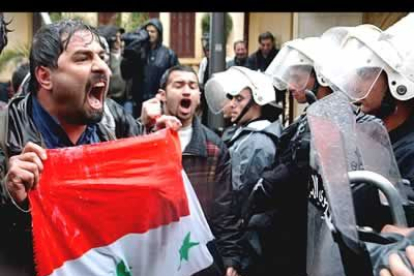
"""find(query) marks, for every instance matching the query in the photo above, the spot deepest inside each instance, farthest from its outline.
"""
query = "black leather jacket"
(16, 253)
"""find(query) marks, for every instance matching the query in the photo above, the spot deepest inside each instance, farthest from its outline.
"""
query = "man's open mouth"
(185, 105)
(96, 95)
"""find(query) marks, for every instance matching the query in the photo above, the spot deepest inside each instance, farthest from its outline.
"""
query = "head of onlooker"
(240, 51)
(205, 42)
(266, 43)
(155, 31)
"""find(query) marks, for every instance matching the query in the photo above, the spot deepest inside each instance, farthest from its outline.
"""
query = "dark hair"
(239, 42)
(18, 75)
(182, 68)
(266, 35)
(50, 41)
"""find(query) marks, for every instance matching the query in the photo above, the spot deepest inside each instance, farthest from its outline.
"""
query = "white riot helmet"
(331, 42)
(396, 47)
(232, 81)
(293, 65)
(366, 53)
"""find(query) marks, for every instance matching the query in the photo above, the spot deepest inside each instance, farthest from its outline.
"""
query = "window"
(182, 30)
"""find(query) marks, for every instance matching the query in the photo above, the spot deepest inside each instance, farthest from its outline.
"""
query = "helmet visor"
(355, 70)
(222, 86)
(216, 96)
(290, 69)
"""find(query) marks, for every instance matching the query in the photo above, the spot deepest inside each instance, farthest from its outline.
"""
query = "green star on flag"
(185, 248)
(121, 269)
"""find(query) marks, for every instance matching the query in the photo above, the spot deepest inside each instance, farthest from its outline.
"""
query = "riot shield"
(366, 142)
(378, 156)
(339, 146)
(337, 110)
(330, 210)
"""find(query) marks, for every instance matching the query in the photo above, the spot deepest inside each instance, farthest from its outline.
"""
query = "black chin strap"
(315, 87)
(388, 105)
(244, 111)
(311, 94)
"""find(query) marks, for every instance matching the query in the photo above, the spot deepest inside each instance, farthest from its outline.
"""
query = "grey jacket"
(252, 149)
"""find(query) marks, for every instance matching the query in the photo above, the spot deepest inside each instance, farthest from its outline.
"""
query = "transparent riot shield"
(366, 142)
(336, 109)
(378, 156)
(336, 218)
(342, 150)
(329, 159)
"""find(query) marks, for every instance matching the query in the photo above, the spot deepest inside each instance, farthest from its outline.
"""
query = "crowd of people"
(264, 191)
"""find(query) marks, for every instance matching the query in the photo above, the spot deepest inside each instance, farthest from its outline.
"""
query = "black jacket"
(402, 140)
(16, 253)
(236, 62)
(145, 66)
(257, 61)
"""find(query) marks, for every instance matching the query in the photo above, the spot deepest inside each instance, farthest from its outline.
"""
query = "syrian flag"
(118, 208)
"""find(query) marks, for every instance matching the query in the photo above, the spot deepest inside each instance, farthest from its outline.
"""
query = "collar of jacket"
(23, 130)
(263, 126)
(257, 125)
(197, 145)
(54, 136)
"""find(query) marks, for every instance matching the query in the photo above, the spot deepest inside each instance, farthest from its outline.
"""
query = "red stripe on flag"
(90, 196)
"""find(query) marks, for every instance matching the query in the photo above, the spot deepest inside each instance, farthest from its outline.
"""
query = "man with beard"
(64, 108)
(206, 161)
(240, 51)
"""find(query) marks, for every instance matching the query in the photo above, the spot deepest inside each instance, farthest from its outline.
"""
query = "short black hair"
(50, 41)
(239, 42)
(266, 35)
(18, 75)
(165, 77)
